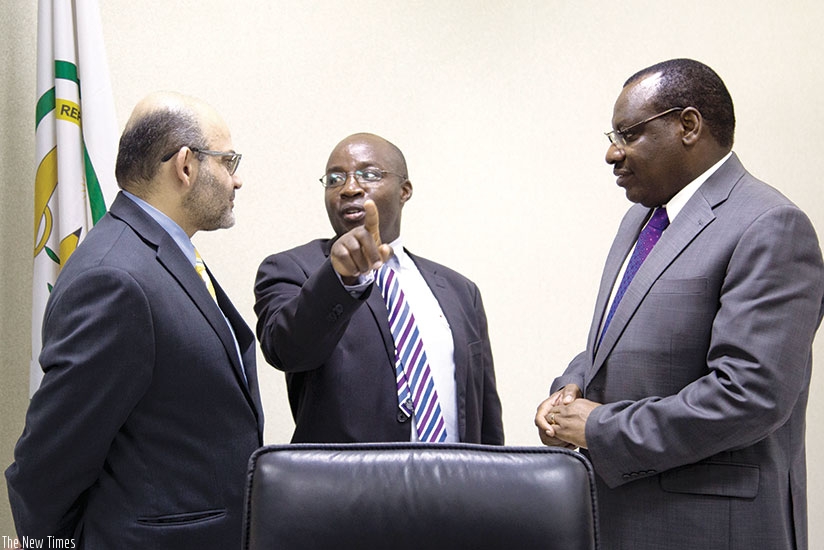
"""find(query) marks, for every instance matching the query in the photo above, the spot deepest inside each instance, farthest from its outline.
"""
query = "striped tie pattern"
(416, 387)
(200, 267)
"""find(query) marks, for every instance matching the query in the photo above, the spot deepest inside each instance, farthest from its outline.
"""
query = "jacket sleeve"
(574, 373)
(302, 312)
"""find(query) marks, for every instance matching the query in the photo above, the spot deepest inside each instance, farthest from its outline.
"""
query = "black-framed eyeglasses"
(368, 177)
(619, 137)
(232, 159)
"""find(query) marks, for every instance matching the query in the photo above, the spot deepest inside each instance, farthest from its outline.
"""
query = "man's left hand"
(569, 421)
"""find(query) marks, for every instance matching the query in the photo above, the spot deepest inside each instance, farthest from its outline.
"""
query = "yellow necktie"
(200, 267)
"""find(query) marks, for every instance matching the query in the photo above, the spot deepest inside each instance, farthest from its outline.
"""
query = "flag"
(75, 144)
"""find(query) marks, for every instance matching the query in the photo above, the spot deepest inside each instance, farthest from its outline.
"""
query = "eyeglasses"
(368, 177)
(619, 137)
(232, 159)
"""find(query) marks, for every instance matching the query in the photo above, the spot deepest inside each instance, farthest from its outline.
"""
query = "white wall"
(500, 108)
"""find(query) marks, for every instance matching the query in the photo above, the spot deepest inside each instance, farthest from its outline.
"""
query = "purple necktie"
(646, 240)
(416, 387)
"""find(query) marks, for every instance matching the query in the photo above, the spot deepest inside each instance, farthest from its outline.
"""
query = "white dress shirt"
(434, 329)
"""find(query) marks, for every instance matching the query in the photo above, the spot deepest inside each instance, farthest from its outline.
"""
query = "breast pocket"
(678, 304)
(697, 285)
(182, 519)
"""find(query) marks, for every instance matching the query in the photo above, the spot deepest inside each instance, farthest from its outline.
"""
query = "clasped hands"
(359, 250)
(562, 418)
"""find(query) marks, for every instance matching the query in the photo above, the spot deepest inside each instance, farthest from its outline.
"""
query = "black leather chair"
(419, 496)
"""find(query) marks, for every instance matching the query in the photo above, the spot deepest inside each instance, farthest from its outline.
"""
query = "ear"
(185, 167)
(406, 191)
(692, 125)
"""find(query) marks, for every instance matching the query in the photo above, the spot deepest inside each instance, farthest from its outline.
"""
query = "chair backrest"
(419, 496)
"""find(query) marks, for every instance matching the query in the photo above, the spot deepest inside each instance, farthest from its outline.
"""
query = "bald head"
(383, 150)
(690, 83)
(345, 202)
(160, 124)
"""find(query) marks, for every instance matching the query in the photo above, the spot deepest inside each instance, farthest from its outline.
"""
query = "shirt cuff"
(357, 290)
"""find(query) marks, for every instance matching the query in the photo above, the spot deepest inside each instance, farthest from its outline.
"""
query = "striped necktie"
(416, 387)
(200, 267)
(646, 240)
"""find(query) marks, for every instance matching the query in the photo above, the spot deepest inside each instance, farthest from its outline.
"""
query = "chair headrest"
(417, 496)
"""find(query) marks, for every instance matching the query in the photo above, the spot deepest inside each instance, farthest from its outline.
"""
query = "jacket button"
(402, 418)
(335, 314)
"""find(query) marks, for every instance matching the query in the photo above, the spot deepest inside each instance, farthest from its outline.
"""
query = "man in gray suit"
(690, 397)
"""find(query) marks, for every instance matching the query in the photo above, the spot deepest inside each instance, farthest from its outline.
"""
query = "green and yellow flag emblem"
(76, 144)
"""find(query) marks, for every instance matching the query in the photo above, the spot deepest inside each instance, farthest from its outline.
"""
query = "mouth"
(353, 213)
(621, 177)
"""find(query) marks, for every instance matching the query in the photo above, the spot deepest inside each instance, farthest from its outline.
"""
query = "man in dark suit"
(690, 398)
(149, 408)
(322, 320)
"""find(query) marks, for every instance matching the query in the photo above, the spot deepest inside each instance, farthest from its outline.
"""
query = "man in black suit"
(322, 321)
(149, 408)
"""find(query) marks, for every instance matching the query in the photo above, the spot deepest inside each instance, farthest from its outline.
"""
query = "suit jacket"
(704, 372)
(338, 354)
(141, 431)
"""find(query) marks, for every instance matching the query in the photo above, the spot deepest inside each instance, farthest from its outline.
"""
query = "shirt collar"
(677, 203)
(175, 231)
(399, 254)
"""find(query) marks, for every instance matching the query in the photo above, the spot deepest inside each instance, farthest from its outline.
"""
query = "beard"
(209, 203)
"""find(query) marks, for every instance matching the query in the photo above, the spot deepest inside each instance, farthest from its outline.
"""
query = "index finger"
(372, 223)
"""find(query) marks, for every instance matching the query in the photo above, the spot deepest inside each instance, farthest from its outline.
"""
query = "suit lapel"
(173, 259)
(696, 216)
(246, 343)
(622, 245)
(377, 307)
(176, 263)
(454, 313)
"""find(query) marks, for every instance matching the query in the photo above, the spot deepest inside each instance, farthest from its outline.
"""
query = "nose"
(237, 183)
(615, 154)
(351, 186)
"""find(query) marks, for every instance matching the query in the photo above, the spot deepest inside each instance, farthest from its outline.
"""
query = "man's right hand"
(546, 428)
(360, 250)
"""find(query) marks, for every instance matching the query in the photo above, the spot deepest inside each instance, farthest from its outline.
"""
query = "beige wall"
(500, 108)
